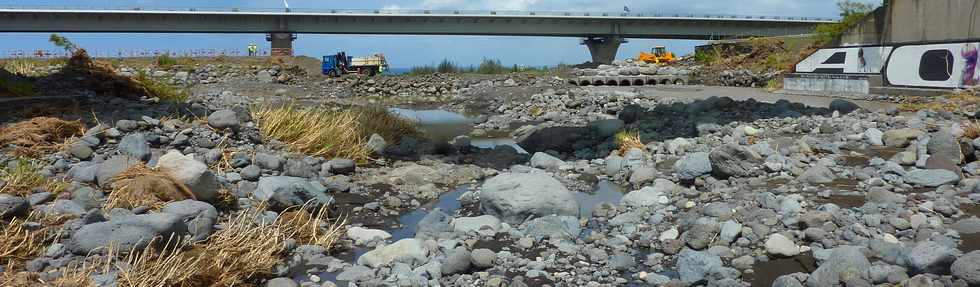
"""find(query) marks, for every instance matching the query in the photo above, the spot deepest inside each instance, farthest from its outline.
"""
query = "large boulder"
(109, 169)
(658, 194)
(199, 217)
(130, 233)
(224, 119)
(545, 161)
(136, 146)
(734, 160)
(930, 257)
(695, 266)
(692, 165)
(513, 197)
(817, 174)
(967, 267)
(901, 138)
(931, 177)
(843, 106)
(191, 172)
(11, 206)
(283, 191)
(944, 144)
(409, 251)
(844, 262)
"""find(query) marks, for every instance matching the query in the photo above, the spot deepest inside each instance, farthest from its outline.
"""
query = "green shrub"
(165, 61)
(162, 90)
(491, 66)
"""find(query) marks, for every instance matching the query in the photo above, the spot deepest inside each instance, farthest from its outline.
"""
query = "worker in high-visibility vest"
(253, 50)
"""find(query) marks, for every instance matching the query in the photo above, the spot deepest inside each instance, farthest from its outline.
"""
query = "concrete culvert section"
(638, 82)
(625, 83)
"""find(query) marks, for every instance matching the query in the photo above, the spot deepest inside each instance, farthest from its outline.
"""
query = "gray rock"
(643, 175)
(931, 177)
(296, 167)
(356, 273)
(943, 143)
(734, 160)
(692, 165)
(130, 232)
(126, 125)
(265, 76)
(362, 236)
(545, 161)
(843, 263)
(136, 146)
(512, 197)
(192, 173)
(695, 266)
(873, 137)
(901, 138)
(700, 236)
(281, 282)
(614, 164)
(729, 231)
(88, 198)
(408, 251)
(650, 195)
(483, 258)
(377, 144)
(930, 257)
(80, 151)
(224, 119)
(843, 106)
(566, 227)
(268, 161)
(466, 225)
(283, 192)
(780, 246)
(817, 174)
(456, 261)
(786, 281)
(199, 217)
(339, 166)
(61, 206)
(967, 267)
(967, 226)
(108, 170)
(883, 196)
(84, 172)
(11, 206)
(251, 172)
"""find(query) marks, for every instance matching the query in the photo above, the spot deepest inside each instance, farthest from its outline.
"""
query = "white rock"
(409, 251)
(191, 172)
(363, 236)
(777, 244)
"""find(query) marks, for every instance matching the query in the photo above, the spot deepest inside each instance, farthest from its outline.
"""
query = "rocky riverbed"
(718, 193)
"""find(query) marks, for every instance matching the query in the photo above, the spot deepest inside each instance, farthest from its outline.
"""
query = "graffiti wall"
(934, 65)
(951, 65)
(848, 60)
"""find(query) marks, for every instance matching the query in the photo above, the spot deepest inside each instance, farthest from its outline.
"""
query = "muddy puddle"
(604, 192)
(444, 125)
(767, 272)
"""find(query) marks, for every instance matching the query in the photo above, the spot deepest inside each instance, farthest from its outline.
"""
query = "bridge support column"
(282, 43)
(603, 49)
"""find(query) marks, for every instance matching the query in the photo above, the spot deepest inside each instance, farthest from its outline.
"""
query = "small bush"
(447, 67)
(25, 176)
(162, 90)
(627, 140)
(164, 61)
(490, 66)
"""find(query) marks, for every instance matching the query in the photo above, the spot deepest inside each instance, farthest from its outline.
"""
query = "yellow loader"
(658, 55)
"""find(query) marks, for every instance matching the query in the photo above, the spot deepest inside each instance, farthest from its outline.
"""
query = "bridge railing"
(21, 6)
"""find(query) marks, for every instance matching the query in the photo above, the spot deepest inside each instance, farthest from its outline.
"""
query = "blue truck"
(341, 64)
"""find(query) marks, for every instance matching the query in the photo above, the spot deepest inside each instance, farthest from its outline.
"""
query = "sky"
(407, 51)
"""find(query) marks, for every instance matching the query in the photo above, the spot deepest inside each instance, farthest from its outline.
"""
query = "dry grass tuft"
(971, 130)
(242, 250)
(21, 243)
(329, 133)
(25, 177)
(19, 67)
(964, 99)
(40, 135)
(141, 185)
(306, 225)
(628, 140)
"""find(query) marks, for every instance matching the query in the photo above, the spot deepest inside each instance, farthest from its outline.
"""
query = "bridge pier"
(603, 49)
(282, 43)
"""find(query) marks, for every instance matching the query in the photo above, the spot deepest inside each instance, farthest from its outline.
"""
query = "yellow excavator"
(658, 55)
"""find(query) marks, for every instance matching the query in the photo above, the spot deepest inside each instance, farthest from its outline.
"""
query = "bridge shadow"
(662, 123)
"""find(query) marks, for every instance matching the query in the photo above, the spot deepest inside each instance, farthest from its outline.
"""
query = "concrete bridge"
(602, 33)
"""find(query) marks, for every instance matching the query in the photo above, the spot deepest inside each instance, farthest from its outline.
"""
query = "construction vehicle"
(341, 64)
(658, 55)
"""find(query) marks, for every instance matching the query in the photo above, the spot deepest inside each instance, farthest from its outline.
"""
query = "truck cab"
(340, 64)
